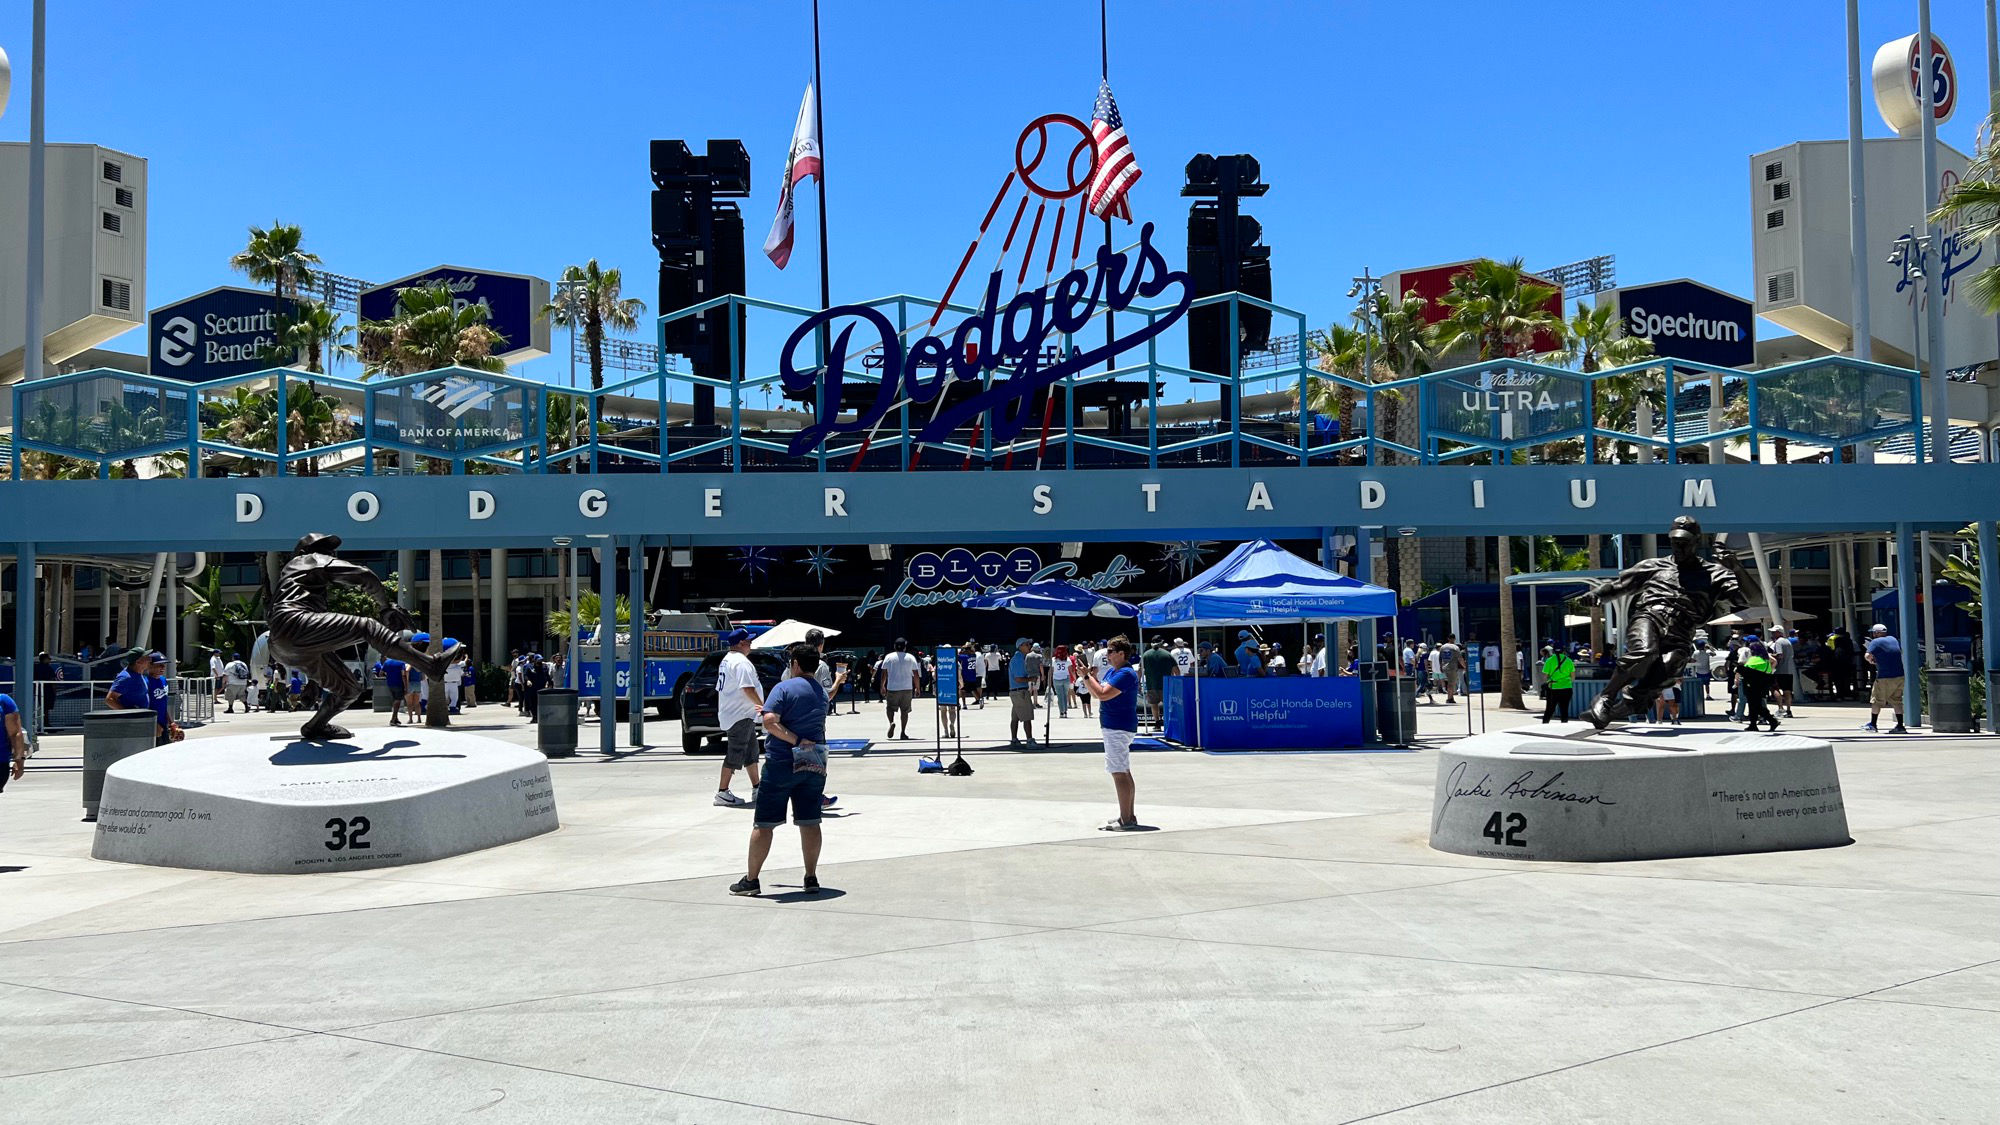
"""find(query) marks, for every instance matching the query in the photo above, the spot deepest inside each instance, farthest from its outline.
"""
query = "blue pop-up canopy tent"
(1262, 582)
(1052, 598)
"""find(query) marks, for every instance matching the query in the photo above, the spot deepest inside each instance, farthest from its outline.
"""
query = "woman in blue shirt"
(1118, 696)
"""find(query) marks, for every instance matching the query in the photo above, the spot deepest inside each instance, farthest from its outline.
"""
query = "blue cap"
(420, 638)
(1242, 634)
(160, 657)
(735, 637)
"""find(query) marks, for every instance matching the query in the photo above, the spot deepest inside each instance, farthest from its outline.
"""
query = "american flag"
(1117, 168)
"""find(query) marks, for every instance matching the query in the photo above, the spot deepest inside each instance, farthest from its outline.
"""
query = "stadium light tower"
(31, 352)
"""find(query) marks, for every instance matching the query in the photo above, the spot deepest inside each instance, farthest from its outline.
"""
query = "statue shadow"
(300, 752)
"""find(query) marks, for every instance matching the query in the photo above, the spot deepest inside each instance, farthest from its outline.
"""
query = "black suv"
(697, 696)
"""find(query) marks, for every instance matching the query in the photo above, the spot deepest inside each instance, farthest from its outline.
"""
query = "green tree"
(275, 256)
(427, 331)
(1592, 340)
(1974, 206)
(314, 334)
(228, 624)
(587, 300)
(1496, 309)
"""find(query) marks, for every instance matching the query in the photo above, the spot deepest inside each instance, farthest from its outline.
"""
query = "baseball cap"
(735, 636)
(1242, 634)
(1878, 627)
(135, 655)
(157, 657)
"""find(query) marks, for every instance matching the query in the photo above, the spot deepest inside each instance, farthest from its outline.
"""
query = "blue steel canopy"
(1261, 581)
(1052, 598)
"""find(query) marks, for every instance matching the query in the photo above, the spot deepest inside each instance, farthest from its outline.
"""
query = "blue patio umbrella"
(1052, 598)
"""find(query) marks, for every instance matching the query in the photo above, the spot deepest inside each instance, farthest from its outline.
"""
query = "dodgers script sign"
(992, 339)
(1008, 334)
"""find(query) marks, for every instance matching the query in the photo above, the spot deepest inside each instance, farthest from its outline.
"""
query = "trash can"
(1396, 703)
(1950, 691)
(109, 735)
(555, 722)
(380, 696)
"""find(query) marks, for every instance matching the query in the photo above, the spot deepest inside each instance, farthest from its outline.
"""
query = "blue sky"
(512, 136)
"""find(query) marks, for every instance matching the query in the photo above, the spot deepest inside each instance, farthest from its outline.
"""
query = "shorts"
(235, 693)
(900, 700)
(791, 780)
(1887, 693)
(742, 745)
(1118, 750)
(1153, 699)
(1024, 703)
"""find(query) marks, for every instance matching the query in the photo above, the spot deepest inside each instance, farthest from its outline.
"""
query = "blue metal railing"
(459, 420)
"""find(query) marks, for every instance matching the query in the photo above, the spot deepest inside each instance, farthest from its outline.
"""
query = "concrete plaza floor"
(1285, 947)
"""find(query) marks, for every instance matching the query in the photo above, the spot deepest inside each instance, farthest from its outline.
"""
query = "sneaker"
(1869, 727)
(812, 884)
(1899, 729)
(828, 802)
(1115, 825)
(729, 800)
(744, 886)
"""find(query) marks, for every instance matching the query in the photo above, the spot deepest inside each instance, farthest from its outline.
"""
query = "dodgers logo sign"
(1004, 346)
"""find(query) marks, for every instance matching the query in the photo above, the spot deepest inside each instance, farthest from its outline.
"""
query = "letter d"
(479, 505)
(249, 507)
(1373, 495)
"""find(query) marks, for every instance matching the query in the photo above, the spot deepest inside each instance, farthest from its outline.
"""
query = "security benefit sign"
(1688, 320)
(1505, 405)
(218, 334)
(513, 304)
(454, 412)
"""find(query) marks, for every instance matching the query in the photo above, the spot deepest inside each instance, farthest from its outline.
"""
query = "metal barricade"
(63, 703)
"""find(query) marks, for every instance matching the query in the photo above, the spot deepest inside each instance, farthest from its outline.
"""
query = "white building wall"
(94, 277)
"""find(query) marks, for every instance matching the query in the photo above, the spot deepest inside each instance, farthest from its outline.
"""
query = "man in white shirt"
(215, 672)
(899, 684)
(454, 679)
(1183, 656)
(739, 698)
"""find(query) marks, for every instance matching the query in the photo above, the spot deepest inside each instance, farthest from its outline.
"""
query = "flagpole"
(819, 127)
(1104, 74)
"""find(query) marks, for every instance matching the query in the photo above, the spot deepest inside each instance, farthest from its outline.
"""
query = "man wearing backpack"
(236, 684)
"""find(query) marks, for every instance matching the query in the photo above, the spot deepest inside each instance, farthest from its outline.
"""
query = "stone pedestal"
(281, 805)
(1565, 792)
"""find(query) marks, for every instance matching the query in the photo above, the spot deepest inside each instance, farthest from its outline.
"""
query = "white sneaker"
(729, 800)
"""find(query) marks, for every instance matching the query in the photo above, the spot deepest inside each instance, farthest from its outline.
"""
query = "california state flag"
(803, 161)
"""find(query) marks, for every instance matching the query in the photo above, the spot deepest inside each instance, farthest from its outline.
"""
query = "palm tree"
(587, 301)
(274, 257)
(1593, 340)
(1975, 207)
(1497, 309)
(427, 331)
(314, 334)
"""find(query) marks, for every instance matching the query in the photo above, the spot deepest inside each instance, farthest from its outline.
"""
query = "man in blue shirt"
(1117, 695)
(1248, 664)
(156, 682)
(1885, 655)
(396, 674)
(794, 720)
(16, 742)
(1212, 663)
(133, 691)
